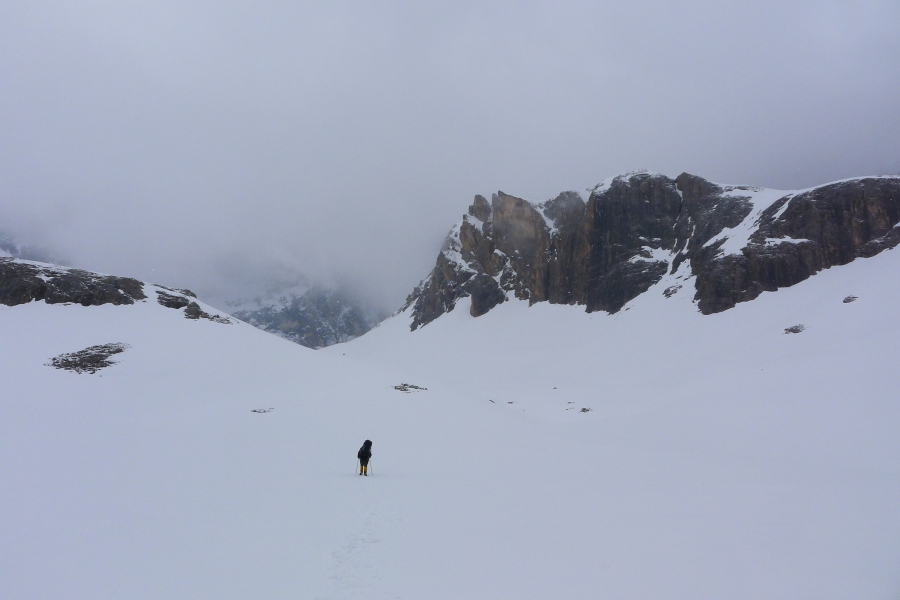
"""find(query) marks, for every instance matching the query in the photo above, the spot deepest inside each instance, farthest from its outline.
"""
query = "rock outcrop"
(22, 282)
(735, 241)
(178, 299)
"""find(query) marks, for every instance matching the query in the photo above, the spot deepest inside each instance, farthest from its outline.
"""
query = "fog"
(223, 145)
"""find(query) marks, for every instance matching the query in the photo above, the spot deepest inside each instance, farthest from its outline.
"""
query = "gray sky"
(214, 145)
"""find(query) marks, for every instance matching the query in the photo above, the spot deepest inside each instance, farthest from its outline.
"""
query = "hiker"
(364, 454)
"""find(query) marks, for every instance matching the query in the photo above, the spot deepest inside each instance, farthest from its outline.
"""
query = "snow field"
(764, 463)
(721, 457)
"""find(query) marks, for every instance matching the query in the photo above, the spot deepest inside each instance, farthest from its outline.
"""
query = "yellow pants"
(364, 470)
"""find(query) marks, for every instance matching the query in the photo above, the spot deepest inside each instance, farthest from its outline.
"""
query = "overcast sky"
(214, 145)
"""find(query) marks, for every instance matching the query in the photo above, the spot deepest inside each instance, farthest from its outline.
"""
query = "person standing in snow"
(364, 454)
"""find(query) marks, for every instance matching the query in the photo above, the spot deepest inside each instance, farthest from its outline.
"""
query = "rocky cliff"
(732, 242)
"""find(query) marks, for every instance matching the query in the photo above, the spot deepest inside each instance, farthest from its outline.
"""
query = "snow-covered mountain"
(155, 449)
(724, 244)
(307, 314)
(312, 316)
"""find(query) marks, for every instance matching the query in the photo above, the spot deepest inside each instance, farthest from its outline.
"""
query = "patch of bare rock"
(408, 387)
(90, 360)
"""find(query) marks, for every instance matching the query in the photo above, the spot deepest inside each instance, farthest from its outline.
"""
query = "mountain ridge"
(315, 317)
(737, 241)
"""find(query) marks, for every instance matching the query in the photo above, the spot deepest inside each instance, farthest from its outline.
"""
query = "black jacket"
(365, 453)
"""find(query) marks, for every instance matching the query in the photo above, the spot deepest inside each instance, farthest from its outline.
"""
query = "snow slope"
(721, 457)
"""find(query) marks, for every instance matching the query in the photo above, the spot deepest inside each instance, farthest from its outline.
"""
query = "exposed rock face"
(22, 282)
(171, 300)
(193, 311)
(315, 319)
(737, 241)
(179, 299)
(823, 227)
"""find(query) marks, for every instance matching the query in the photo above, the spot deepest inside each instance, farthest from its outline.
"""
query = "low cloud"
(226, 146)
